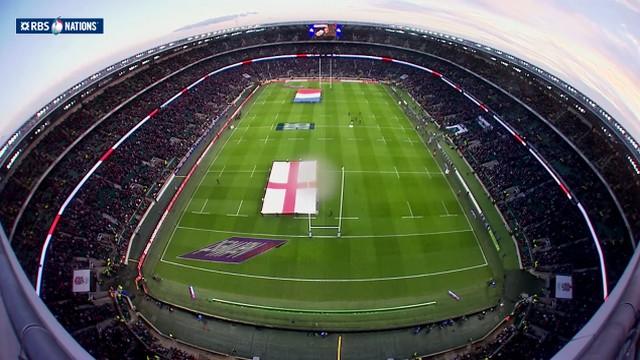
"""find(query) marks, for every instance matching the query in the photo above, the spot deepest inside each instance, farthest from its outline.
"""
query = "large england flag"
(291, 189)
(308, 95)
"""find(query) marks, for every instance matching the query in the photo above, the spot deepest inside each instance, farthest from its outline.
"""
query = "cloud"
(401, 5)
(591, 48)
(630, 5)
(216, 20)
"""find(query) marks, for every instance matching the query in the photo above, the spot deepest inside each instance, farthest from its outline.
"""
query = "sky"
(594, 45)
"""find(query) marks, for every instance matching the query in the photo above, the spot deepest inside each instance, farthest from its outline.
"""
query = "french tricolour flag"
(291, 189)
(308, 96)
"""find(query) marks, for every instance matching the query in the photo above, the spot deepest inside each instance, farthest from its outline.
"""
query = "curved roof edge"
(603, 335)
(38, 334)
(10, 150)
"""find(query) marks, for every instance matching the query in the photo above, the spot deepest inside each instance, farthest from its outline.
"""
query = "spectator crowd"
(98, 224)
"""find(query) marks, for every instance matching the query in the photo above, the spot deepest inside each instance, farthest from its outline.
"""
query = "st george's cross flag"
(292, 188)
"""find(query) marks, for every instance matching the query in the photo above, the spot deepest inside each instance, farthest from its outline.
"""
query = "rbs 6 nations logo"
(59, 26)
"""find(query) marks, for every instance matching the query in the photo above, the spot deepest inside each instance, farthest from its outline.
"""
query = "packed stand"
(100, 220)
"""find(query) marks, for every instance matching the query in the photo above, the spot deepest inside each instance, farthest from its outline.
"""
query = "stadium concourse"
(100, 226)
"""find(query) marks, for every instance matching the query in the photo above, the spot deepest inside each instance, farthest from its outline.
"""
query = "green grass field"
(405, 240)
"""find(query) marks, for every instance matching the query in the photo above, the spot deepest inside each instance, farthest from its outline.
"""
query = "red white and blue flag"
(291, 189)
(308, 96)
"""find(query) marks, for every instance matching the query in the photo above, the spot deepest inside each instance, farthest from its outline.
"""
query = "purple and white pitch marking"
(233, 250)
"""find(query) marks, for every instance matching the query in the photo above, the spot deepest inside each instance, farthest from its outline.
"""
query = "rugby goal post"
(338, 228)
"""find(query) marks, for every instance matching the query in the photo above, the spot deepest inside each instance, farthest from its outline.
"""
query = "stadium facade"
(578, 145)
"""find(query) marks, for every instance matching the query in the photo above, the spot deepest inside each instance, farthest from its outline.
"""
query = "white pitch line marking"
(411, 212)
(221, 171)
(201, 213)
(410, 306)
(383, 140)
(445, 207)
(347, 172)
(238, 142)
(239, 206)
(447, 211)
(184, 211)
(348, 218)
(359, 126)
(266, 139)
(265, 277)
(426, 171)
(325, 139)
(204, 205)
(344, 236)
(460, 205)
(295, 138)
(397, 174)
(239, 171)
(387, 172)
(253, 171)
(341, 202)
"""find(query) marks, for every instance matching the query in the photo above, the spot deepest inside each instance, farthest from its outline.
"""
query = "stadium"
(321, 190)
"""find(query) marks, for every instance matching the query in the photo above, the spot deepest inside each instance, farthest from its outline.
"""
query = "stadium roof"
(593, 48)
